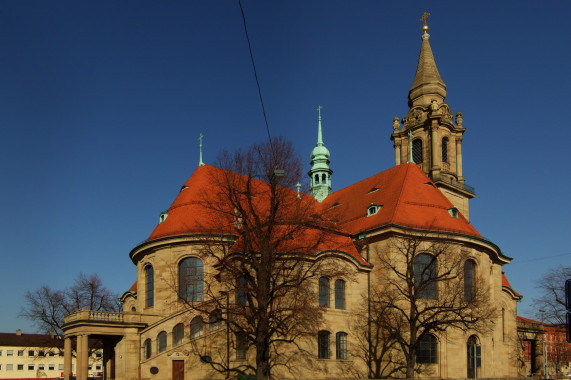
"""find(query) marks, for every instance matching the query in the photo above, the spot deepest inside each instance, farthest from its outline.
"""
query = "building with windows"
(29, 356)
(543, 343)
(408, 225)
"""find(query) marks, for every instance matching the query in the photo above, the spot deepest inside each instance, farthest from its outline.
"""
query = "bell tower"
(429, 137)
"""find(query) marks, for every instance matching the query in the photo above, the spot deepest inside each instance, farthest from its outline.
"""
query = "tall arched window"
(323, 341)
(150, 284)
(445, 149)
(161, 341)
(469, 280)
(425, 276)
(178, 334)
(339, 294)
(427, 350)
(341, 345)
(417, 151)
(324, 291)
(148, 348)
(196, 327)
(474, 355)
(190, 279)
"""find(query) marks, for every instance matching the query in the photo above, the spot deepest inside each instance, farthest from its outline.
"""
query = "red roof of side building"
(29, 340)
(133, 287)
(407, 198)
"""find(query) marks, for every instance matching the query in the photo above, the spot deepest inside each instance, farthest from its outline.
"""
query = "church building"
(402, 284)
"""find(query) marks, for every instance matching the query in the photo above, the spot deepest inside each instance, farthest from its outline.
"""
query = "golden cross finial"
(424, 17)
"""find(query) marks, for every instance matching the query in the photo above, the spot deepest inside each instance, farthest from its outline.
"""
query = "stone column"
(67, 358)
(82, 357)
(435, 156)
(459, 157)
(397, 152)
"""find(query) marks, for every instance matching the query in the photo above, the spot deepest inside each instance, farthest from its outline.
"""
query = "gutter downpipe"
(363, 237)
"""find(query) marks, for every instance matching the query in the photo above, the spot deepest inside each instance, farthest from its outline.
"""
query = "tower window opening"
(417, 151)
(445, 149)
(323, 178)
(316, 179)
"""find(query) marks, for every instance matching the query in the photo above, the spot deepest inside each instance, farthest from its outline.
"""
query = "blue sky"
(101, 105)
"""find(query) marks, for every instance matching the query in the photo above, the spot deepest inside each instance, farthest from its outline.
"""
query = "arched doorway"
(474, 356)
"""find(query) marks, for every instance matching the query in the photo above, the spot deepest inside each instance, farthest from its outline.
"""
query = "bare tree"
(47, 307)
(265, 239)
(552, 299)
(377, 346)
(423, 289)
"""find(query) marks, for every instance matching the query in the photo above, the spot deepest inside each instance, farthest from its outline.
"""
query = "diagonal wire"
(256, 75)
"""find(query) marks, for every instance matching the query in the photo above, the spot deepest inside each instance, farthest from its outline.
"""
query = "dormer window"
(373, 209)
(453, 212)
(335, 205)
(163, 217)
(373, 190)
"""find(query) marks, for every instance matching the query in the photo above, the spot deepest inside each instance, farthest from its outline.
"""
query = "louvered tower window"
(417, 151)
(445, 149)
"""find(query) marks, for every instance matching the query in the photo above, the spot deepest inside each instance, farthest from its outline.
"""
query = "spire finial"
(319, 134)
(423, 19)
(200, 163)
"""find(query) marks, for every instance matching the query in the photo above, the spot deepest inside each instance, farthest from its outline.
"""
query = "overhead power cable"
(256, 75)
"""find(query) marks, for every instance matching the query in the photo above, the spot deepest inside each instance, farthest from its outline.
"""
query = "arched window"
(341, 345)
(417, 151)
(469, 280)
(196, 327)
(190, 279)
(323, 178)
(425, 276)
(241, 291)
(161, 341)
(445, 149)
(150, 284)
(178, 334)
(427, 349)
(324, 291)
(148, 348)
(215, 320)
(339, 294)
(473, 354)
(316, 179)
(323, 340)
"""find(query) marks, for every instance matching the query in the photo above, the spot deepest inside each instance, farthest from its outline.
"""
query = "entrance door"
(178, 370)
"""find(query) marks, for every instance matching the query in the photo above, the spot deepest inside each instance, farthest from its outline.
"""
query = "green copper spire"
(200, 163)
(320, 173)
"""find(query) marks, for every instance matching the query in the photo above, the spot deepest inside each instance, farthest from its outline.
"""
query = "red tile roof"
(406, 195)
(506, 283)
(407, 198)
(29, 340)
